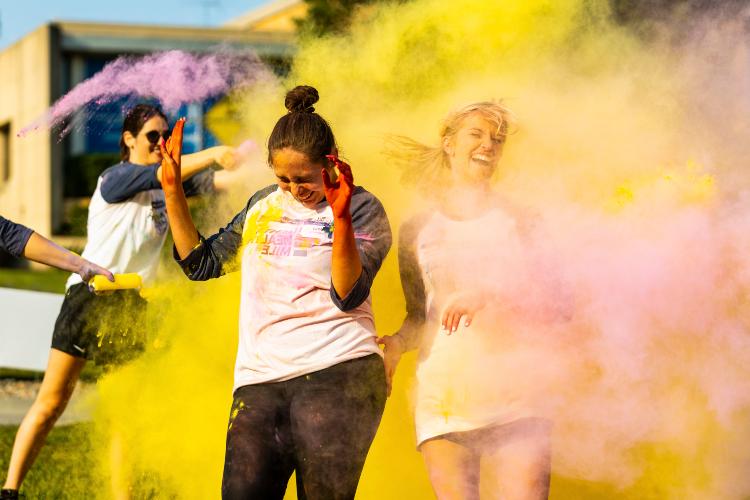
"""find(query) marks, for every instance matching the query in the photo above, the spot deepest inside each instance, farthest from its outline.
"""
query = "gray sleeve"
(125, 180)
(13, 237)
(217, 255)
(411, 280)
(372, 234)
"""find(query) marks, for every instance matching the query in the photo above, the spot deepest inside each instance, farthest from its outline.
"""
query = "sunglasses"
(153, 136)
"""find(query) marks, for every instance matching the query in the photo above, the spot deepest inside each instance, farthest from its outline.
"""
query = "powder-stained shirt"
(292, 322)
(493, 371)
(13, 237)
(127, 222)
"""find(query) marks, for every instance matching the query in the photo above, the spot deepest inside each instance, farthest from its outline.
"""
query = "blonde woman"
(461, 264)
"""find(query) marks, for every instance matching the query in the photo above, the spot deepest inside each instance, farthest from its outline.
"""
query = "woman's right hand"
(171, 152)
(393, 350)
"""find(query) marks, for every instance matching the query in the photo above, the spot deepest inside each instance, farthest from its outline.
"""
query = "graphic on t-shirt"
(276, 234)
(159, 216)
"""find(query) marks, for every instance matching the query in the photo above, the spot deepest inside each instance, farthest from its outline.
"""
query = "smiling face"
(296, 174)
(474, 150)
(144, 147)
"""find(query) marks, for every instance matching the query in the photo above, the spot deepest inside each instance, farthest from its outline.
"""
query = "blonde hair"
(429, 165)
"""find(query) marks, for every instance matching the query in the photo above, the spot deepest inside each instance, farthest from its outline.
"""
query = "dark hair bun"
(301, 99)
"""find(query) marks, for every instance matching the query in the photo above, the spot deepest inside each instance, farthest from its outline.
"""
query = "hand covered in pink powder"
(226, 157)
(464, 304)
(171, 152)
(339, 193)
(393, 350)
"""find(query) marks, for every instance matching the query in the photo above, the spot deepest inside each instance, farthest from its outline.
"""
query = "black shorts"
(107, 329)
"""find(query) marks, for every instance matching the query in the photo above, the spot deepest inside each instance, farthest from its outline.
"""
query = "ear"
(129, 139)
(448, 146)
(328, 164)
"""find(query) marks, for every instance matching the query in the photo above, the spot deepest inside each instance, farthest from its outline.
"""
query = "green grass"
(48, 280)
(65, 467)
(19, 374)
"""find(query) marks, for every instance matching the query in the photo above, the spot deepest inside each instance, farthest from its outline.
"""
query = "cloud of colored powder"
(172, 78)
(632, 151)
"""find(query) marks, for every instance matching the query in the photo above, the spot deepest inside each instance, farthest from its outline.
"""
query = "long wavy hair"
(429, 166)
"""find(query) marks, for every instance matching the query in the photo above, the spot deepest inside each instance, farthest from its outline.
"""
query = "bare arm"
(345, 262)
(346, 266)
(191, 164)
(40, 249)
(184, 233)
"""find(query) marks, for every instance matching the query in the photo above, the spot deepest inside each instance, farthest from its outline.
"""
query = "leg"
(258, 461)
(119, 474)
(57, 387)
(453, 469)
(519, 456)
(334, 416)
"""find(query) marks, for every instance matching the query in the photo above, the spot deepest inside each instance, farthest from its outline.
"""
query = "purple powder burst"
(172, 78)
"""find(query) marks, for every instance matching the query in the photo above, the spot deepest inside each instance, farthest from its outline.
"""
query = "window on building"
(4, 153)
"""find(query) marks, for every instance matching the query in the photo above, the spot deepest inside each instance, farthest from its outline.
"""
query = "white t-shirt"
(291, 321)
(490, 372)
(126, 237)
(127, 221)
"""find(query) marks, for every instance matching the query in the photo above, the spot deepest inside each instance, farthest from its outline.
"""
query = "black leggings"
(320, 425)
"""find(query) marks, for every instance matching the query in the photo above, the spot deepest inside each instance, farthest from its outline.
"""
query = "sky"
(18, 17)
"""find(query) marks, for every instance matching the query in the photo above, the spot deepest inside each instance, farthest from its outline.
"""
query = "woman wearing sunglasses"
(127, 226)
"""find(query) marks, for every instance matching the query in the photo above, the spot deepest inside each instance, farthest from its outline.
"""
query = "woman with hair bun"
(126, 231)
(309, 384)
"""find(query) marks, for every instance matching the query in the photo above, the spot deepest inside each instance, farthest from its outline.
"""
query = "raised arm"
(361, 239)
(184, 233)
(200, 258)
(191, 164)
(346, 266)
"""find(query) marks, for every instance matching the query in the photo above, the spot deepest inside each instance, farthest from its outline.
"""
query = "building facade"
(39, 173)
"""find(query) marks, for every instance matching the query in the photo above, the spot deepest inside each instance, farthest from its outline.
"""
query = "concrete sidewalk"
(26, 331)
(17, 396)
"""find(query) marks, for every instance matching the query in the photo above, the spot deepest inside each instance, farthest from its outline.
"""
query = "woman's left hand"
(339, 193)
(462, 305)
